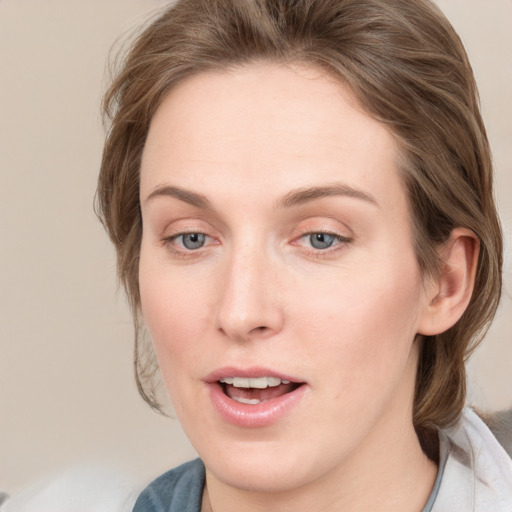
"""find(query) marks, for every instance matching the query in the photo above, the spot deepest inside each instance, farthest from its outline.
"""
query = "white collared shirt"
(475, 472)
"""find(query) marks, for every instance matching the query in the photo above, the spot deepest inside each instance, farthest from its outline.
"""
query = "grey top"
(178, 490)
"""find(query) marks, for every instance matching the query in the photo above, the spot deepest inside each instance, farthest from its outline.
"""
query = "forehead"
(267, 124)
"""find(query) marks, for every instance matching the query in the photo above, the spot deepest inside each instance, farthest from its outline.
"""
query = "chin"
(267, 467)
(261, 475)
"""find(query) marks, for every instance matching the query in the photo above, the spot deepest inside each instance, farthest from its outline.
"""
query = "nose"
(249, 306)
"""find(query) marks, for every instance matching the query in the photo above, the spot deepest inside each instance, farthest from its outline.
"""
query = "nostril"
(261, 330)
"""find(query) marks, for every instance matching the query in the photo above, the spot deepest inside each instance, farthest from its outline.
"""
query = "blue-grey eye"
(321, 240)
(192, 241)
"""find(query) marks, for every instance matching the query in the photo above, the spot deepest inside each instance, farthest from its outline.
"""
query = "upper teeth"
(254, 382)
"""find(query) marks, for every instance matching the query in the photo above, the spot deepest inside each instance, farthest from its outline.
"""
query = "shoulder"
(477, 474)
(178, 490)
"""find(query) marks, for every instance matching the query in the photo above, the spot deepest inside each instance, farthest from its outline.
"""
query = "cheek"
(362, 324)
(172, 313)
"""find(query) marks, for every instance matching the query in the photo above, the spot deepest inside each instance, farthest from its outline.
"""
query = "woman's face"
(277, 274)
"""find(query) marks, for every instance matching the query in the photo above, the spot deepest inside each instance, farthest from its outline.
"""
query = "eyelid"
(179, 223)
(324, 225)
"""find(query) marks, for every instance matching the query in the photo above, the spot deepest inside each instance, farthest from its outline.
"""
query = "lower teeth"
(248, 401)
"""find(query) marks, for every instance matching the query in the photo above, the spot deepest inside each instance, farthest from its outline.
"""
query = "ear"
(449, 293)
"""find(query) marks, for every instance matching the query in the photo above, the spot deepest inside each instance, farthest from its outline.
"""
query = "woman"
(300, 196)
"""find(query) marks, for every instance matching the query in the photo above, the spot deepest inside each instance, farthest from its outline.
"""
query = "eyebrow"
(187, 196)
(293, 198)
(305, 195)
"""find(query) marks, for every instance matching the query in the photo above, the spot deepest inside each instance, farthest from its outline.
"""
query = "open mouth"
(254, 397)
(256, 390)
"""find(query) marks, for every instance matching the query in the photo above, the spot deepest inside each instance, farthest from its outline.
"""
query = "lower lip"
(254, 416)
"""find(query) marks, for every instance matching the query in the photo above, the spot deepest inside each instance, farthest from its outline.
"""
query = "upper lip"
(250, 372)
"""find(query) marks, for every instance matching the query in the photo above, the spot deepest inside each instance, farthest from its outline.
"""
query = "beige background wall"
(66, 387)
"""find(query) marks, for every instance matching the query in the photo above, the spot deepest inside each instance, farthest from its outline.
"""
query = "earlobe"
(450, 292)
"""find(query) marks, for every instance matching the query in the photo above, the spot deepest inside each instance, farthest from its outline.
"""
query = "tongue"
(259, 394)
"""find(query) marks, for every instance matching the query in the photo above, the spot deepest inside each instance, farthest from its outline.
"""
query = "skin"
(343, 319)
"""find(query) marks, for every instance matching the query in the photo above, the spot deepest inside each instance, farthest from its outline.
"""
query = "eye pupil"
(321, 240)
(193, 241)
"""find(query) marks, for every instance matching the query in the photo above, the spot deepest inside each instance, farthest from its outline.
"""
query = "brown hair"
(407, 67)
